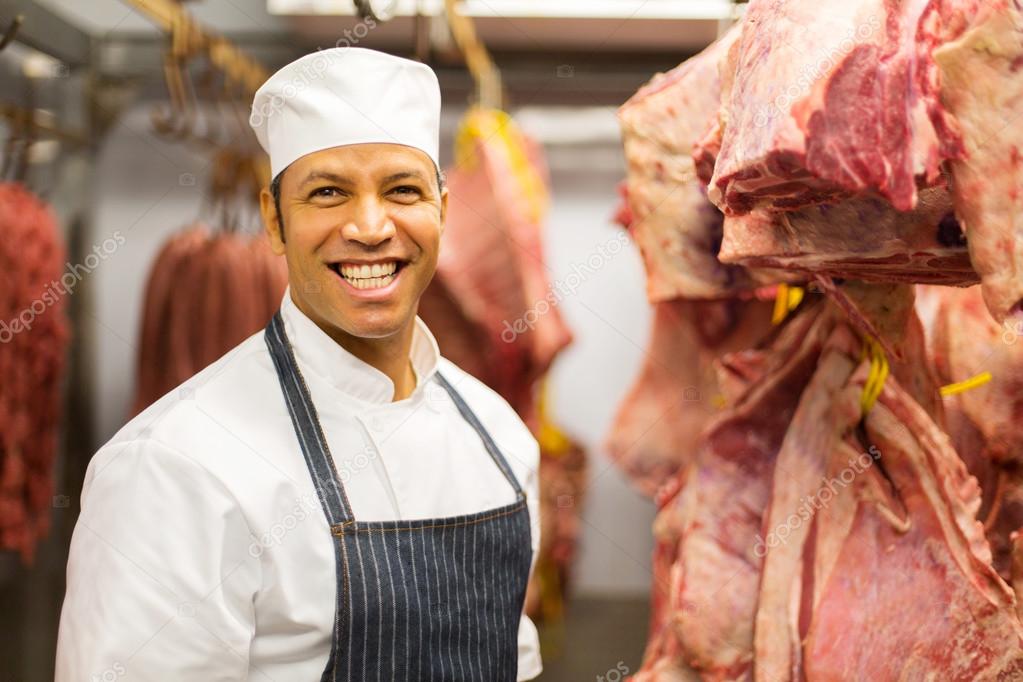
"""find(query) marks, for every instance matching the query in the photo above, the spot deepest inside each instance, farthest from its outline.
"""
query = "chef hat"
(346, 95)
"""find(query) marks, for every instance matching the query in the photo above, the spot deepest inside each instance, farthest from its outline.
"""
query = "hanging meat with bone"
(865, 140)
(792, 520)
(854, 100)
(677, 229)
(490, 303)
(702, 307)
(983, 362)
(658, 423)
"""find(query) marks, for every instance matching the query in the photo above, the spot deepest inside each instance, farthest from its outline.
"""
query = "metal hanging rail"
(238, 67)
(48, 32)
(23, 117)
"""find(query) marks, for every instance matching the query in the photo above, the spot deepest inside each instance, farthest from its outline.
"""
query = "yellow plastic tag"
(966, 384)
(878, 373)
(497, 127)
(553, 442)
(785, 301)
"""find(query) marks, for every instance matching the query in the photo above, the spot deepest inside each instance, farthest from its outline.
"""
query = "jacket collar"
(349, 374)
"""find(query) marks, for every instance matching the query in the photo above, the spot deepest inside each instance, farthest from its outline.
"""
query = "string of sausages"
(33, 339)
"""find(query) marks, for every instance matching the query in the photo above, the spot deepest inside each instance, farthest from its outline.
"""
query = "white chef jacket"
(202, 552)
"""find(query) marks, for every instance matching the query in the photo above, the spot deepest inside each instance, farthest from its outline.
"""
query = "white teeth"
(355, 272)
(371, 282)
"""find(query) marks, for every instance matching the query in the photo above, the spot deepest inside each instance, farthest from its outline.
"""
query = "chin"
(372, 324)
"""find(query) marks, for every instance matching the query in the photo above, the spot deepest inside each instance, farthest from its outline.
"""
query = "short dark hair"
(275, 191)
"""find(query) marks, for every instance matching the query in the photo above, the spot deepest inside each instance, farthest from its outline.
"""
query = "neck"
(389, 354)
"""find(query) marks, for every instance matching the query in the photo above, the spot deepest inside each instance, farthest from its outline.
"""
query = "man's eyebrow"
(403, 175)
(343, 180)
(325, 175)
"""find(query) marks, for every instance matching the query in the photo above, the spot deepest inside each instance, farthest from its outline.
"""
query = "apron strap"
(307, 425)
(313, 442)
(484, 435)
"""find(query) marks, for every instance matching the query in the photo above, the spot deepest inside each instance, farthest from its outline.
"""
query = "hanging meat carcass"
(860, 155)
(490, 303)
(677, 229)
(775, 547)
(822, 104)
(981, 87)
(703, 308)
(206, 293)
(662, 415)
(706, 564)
(862, 238)
(983, 363)
(33, 339)
(913, 546)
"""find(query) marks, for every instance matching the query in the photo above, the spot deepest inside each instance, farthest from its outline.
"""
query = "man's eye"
(406, 191)
(325, 192)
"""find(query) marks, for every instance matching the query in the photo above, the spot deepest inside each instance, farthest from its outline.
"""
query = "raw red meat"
(658, 425)
(775, 544)
(491, 305)
(676, 228)
(964, 342)
(913, 548)
(706, 562)
(820, 422)
(826, 101)
(862, 238)
(982, 86)
(875, 98)
(33, 339)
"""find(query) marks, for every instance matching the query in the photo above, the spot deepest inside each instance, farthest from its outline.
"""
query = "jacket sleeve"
(530, 663)
(161, 577)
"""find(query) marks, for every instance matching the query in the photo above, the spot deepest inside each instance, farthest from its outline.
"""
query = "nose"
(370, 224)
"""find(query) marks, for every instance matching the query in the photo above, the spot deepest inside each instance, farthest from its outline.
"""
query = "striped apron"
(417, 600)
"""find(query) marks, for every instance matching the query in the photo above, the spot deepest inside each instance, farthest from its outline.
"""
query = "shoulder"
(205, 417)
(503, 423)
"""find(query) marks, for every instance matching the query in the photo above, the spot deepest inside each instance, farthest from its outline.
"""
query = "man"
(331, 499)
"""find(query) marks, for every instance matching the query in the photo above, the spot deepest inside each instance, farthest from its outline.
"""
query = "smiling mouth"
(368, 276)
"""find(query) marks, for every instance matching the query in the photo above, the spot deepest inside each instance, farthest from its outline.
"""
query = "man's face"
(362, 226)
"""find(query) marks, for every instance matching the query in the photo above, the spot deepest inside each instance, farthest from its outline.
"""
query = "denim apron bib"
(417, 600)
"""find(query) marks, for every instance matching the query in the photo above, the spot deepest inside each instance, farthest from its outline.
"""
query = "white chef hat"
(346, 95)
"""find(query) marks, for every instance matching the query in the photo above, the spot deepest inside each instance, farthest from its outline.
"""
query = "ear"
(443, 208)
(271, 221)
